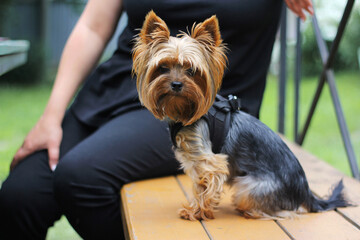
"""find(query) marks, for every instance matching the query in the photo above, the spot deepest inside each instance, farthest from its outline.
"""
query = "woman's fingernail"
(53, 167)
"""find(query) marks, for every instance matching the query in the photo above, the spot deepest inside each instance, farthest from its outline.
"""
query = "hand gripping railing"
(327, 76)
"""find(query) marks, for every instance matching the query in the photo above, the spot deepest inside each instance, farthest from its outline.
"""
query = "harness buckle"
(234, 102)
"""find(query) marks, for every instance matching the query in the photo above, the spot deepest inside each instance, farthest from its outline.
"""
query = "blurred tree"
(4, 5)
(329, 16)
(25, 19)
(351, 43)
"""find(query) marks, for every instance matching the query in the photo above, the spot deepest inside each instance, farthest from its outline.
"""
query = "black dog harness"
(218, 119)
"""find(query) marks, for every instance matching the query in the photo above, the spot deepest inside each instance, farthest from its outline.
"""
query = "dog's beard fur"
(201, 52)
(180, 107)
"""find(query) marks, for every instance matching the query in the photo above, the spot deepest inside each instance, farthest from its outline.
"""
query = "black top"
(248, 27)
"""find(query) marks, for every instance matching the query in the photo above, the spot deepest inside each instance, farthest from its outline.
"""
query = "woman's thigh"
(88, 178)
(130, 147)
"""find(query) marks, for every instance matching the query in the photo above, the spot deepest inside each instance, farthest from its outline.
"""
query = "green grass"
(21, 107)
(323, 138)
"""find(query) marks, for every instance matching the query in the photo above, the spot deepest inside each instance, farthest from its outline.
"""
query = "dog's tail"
(336, 199)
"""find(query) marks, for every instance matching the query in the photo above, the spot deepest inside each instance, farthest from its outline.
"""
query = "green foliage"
(351, 42)
(311, 62)
(346, 57)
(4, 6)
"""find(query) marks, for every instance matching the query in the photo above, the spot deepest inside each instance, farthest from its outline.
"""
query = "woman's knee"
(13, 196)
(84, 195)
(27, 204)
(26, 184)
(78, 183)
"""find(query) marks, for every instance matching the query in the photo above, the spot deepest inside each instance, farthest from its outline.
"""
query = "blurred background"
(46, 24)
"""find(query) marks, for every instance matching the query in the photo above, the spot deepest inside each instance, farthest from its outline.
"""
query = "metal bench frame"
(327, 76)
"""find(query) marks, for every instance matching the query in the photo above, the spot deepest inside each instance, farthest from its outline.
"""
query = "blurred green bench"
(13, 53)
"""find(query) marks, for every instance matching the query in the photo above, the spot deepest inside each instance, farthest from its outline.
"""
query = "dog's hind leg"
(208, 171)
(251, 196)
(259, 198)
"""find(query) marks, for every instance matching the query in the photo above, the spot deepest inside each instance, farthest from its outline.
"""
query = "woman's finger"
(20, 154)
(53, 152)
(298, 7)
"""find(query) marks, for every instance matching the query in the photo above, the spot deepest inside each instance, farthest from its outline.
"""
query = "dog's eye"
(162, 69)
(190, 72)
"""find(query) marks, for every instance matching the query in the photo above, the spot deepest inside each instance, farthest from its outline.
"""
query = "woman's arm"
(81, 53)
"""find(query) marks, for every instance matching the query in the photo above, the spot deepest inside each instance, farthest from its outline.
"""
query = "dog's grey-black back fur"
(255, 151)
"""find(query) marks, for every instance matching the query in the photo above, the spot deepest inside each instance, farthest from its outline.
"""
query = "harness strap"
(174, 128)
(218, 119)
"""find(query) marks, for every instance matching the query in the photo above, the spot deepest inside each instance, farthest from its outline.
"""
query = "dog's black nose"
(176, 86)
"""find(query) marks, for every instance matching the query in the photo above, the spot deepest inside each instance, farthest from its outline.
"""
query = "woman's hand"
(298, 7)
(46, 134)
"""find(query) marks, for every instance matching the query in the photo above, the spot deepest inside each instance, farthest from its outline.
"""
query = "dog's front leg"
(208, 179)
(208, 171)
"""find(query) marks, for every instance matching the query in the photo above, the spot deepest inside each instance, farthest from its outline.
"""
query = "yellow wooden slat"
(322, 176)
(150, 208)
(229, 225)
(321, 226)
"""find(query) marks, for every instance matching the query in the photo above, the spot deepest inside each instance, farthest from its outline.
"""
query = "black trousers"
(94, 164)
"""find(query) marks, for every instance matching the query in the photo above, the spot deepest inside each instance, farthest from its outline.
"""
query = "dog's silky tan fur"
(177, 80)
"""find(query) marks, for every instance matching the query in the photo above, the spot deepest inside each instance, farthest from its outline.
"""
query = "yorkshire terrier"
(177, 80)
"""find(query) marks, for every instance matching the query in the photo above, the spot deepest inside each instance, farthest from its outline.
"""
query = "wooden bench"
(12, 54)
(150, 211)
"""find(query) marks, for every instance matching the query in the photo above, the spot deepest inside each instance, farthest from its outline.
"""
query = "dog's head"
(178, 77)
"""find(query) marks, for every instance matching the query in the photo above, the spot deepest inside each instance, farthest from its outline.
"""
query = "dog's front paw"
(187, 214)
(191, 214)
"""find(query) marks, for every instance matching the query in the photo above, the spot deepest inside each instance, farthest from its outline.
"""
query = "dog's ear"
(208, 32)
(154, 28)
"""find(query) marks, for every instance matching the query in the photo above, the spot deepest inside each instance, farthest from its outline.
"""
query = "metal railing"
(327, 76)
